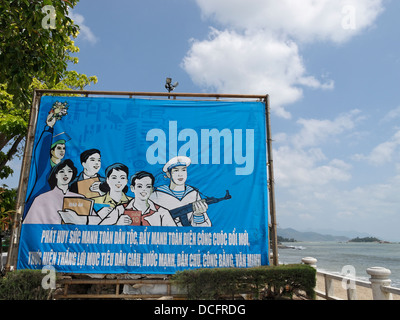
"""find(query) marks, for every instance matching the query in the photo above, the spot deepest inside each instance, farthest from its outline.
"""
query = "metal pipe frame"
(38, 93)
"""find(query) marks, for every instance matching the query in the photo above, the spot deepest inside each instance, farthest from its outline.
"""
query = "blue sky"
(331, 67)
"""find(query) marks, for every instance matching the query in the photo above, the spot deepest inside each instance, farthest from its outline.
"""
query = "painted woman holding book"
(45, 207)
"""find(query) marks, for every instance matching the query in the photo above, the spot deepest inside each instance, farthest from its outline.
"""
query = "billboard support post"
(271, 186)
(28, 153)
(23, 183)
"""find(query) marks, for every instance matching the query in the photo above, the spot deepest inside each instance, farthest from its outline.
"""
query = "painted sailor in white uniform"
(178, 194)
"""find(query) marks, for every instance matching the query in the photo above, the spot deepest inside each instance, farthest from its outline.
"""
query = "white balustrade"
(379, 283)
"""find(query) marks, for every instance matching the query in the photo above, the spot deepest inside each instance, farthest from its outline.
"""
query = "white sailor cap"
(177, 161)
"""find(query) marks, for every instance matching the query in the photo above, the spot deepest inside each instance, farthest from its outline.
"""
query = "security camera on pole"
(169, 86)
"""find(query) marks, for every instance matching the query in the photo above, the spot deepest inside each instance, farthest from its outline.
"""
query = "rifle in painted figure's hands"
(181, 212)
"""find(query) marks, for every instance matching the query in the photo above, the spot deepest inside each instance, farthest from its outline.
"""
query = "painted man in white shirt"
(141, 211)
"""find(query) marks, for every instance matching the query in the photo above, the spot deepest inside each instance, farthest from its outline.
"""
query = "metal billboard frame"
(26, 162)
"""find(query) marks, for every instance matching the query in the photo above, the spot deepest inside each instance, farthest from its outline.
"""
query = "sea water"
(334, 257)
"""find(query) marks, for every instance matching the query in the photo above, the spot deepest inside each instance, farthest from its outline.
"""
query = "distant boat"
(298, 247)
(282, 246)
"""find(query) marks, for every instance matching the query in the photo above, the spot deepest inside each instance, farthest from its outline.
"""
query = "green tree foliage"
(365, 239)
(7, 203)
(29, 50)
(7, 210)
(32, 55)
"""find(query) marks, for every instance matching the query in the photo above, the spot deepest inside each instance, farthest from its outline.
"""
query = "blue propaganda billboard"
(122, 185)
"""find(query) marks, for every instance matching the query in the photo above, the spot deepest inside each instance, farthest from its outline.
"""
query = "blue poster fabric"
(122, 185)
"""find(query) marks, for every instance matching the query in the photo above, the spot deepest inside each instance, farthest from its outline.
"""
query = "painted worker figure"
(178, 194)
(114, 187)
(42, 163)
(141, 211)
(57, 152)
(91, 163)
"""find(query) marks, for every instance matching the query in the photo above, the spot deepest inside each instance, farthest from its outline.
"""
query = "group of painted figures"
(56, 180)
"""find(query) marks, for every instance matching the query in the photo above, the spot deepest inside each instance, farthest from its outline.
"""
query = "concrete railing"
(379, 283)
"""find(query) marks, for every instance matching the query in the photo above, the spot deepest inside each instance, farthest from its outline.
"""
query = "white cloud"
(345, 214)
(257, 49)
(306, 20)
(315, 131)
(371, 208)
(300, 160)
(306, 216)
(85, 32)
(375, 204)
(310, 184)
(382, 153)
(257, 52)
(251, 63)
(391, 115)
(307, 169)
